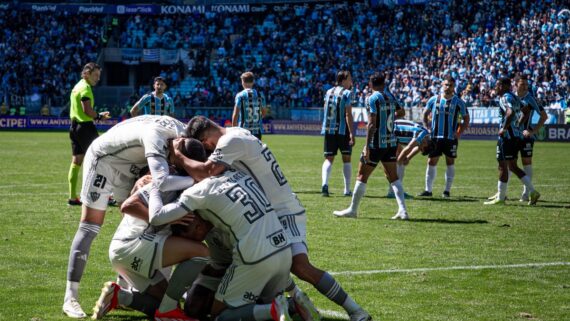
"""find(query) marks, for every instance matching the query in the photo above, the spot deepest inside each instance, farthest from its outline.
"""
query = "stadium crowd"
(476, 42)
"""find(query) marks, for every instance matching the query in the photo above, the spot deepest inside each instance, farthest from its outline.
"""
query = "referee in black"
(82, 130)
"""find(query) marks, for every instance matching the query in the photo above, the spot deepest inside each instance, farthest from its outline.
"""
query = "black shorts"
(82, 134)
(376, 155)
(526, 147)
(444, 146)
(507, 149)
(334, 142)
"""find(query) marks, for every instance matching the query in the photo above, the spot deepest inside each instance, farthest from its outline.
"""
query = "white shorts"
(139, 260)
(100, 180)
(295, 227)
(245, 284)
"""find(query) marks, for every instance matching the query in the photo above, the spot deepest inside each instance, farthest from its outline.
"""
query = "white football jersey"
(241, 150)
(128, 144)
(235, 204)
(132, 227)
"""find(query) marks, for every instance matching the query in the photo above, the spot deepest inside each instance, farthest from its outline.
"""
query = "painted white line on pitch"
(448, 268)
(334, 314)
(29, 185)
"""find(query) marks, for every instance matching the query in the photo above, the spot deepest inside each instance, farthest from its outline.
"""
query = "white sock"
(399, 192)
(358, 193)
(125, 297)
(350, 306)
(347, 172)
(262, 312)
(401, 170)
(431, 172)
(528, 172)
(503, 190)
(71, 290)
(527, 183)
(167, 304)
(327, 166)
(449, 176)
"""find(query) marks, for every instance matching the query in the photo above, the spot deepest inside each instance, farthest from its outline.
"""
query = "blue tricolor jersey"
(152, 105)
(445, 114)
(385, 114)
(510, 100)
(530, 101)
(336, 101)
(250, 102)
(406, 130)
(391, 99)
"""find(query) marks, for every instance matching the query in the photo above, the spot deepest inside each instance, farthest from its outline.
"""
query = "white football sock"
(431, 172)
(401, 170)
(528, 172)
(527, 183)
(449, 176)
(358, 193)
(326, 172)
(71, 290)
(399, 193)
(502, 190)
(347, 172)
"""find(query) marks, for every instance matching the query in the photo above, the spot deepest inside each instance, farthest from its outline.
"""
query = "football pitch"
(456, 259)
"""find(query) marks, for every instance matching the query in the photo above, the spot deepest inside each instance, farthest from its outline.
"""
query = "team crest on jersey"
(137, 263)
(217, 154)
(95, 196)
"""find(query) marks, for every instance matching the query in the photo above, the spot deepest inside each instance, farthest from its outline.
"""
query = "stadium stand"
(297, 53)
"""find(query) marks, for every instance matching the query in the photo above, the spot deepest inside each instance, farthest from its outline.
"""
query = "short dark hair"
(449, 78)
(193, 149)
(159, 79)
(377, 79)
(197, 126)
(505, 81)
(521, 77)
(89, 68)
(342, 75)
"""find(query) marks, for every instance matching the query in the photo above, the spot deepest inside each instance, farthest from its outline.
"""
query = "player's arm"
(349, 122)
(409, 151)
(135, 109)
(160, 214)
(370, 131)
(235, 116)
(427, 112)
(161, 177)
(136, 205)
(89, 111)
(509, 115)
(542, 119)
(197, 170)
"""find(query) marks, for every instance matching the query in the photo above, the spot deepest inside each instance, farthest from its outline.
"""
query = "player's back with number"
(385, 113)
(243, 151)
(234, 203)
(250, 102)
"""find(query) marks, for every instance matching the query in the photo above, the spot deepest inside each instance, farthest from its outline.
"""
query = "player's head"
(522, 84)
(503, 85)
(159, 85)
(195, 229)
(247, 79)
(448, 85)
(91, 73)
(377, 81)
(344, 79)
(204, 130)
(189, 147)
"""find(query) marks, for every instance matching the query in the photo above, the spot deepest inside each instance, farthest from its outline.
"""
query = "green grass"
(37, 228)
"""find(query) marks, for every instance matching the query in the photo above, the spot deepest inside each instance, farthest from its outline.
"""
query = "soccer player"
(140, 251)
(82, 131)
(248, 104)
(412, 139)
(510, 134)
(234, 203)
(113, 162)
(337, 128)
(238, 148)
(381, 145)
(445, 110)
(529, 130)
(155, 103)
